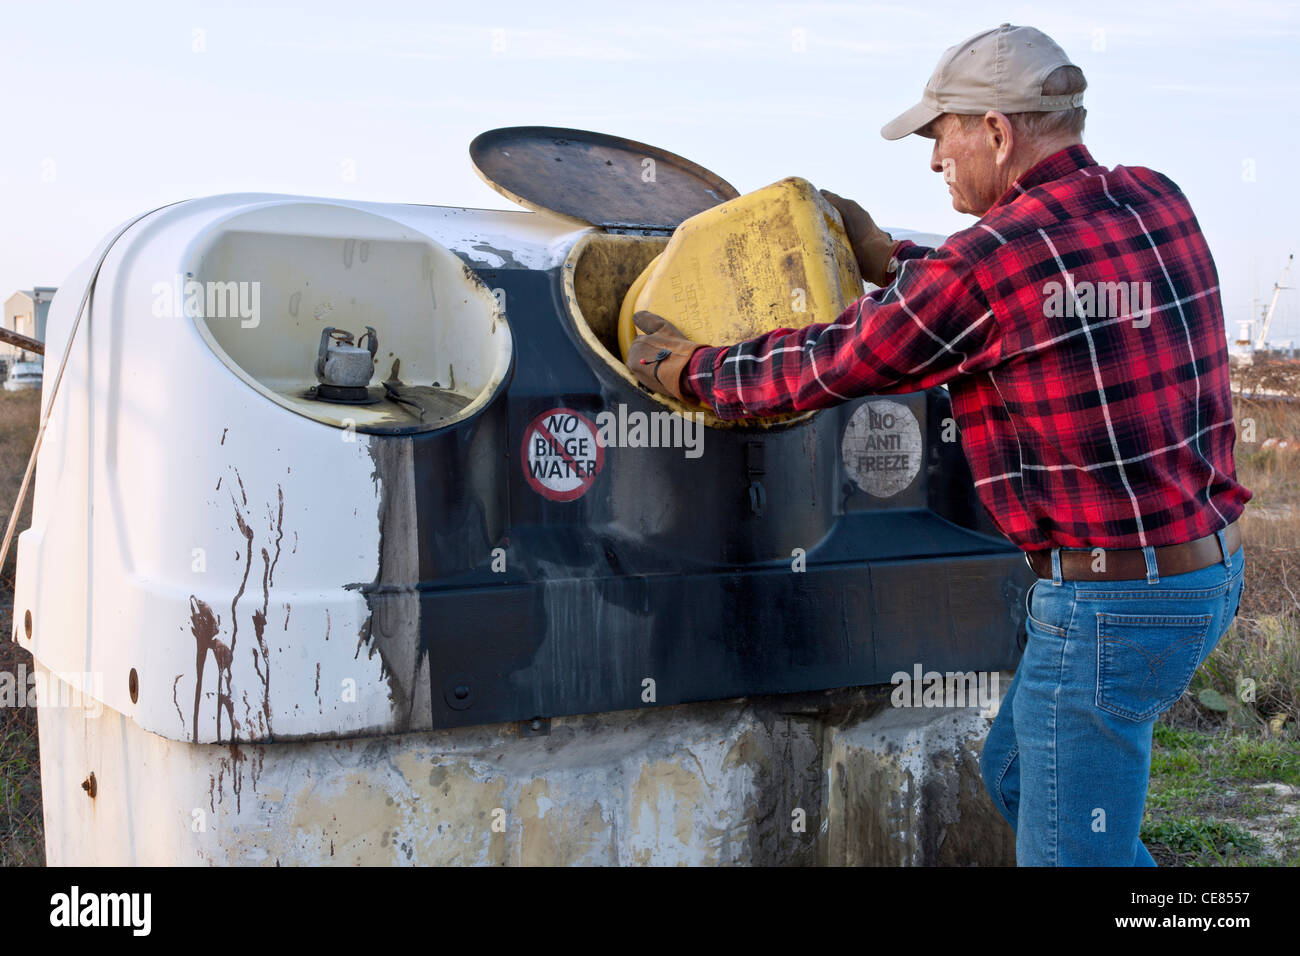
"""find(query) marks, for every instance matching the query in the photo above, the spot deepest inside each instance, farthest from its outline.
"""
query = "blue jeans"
(1068, 758)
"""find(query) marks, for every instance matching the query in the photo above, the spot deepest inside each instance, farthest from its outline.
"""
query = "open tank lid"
(595, 178)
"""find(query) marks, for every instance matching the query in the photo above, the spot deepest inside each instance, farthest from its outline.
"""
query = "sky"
(112, 109)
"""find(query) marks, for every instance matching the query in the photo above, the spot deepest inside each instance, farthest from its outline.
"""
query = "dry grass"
(19, 418)
(21, 830)
(21, 826)
(1256, 667)
(1275, 375)
(1271, 525)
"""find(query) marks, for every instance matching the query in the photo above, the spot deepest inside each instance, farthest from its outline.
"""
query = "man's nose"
(936, 164)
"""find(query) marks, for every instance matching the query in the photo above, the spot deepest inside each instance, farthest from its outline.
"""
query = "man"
(1079, 328)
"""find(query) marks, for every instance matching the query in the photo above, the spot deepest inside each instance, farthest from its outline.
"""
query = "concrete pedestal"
(830, 778)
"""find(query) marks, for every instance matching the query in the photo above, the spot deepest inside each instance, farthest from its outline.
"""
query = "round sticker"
(882, 448)
(560, 455)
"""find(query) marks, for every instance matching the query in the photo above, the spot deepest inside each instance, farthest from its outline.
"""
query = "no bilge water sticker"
(560, 455)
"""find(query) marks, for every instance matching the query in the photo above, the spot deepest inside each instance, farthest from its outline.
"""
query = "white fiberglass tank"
(194, 500)
(205, 524)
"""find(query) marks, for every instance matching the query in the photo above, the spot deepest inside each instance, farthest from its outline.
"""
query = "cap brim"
(909, 122)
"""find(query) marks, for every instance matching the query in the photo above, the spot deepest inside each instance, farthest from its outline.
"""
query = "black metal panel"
(663, 583)
(593, 644)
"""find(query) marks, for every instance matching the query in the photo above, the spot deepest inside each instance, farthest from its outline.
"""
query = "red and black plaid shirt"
(1092, 415)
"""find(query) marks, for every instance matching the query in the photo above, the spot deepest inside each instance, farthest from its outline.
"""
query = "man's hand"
(872, 245)
(659, 357)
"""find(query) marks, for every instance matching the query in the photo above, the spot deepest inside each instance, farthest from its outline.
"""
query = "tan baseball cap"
(1001, 69)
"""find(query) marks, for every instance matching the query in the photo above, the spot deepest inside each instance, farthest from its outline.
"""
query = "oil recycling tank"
(335, 491)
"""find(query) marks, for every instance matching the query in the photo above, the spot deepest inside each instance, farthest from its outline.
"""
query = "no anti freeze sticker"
(560, 454)
(882, 448)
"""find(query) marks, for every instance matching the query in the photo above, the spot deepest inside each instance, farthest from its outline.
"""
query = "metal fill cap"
(595, 178)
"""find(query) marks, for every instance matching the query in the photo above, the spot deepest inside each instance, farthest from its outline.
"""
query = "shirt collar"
(1057, 166)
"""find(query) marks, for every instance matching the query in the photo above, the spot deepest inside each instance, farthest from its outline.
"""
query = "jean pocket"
(1054, 610)
(1145, 662)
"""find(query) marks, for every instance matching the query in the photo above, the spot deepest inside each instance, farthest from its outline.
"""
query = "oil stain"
(205, 626)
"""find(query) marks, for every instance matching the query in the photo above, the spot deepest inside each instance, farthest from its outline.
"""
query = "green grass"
(1246, 758)
(1202, 804)
(1203, 842)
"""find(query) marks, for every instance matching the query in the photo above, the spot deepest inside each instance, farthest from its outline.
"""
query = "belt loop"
(1149, 553)
(1056, 568)
(1222, 535)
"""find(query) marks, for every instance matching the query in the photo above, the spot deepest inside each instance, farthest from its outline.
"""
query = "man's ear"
(999, 135)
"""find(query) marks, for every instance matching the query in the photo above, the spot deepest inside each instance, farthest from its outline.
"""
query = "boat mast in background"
(1247, 346)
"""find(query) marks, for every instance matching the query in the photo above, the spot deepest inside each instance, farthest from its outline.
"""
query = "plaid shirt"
(1088, 420)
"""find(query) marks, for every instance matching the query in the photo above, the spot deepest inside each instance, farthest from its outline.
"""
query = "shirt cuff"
(696, 381)
(907, 249)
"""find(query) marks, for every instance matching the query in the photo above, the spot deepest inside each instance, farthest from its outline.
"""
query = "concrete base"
(834, 778)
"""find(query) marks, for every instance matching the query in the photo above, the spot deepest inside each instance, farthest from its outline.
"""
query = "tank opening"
(600, 269)
(340, 296)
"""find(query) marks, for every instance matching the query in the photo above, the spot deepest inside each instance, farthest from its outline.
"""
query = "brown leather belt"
(1128, 564)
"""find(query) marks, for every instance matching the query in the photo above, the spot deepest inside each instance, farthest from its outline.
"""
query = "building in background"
(25, 313)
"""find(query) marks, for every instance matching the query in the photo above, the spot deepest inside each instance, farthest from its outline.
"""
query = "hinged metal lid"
(595, 178)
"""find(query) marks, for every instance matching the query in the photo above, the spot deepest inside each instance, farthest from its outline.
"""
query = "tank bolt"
(458, 690)
(133, 686)
(89, 786)
(536, 727)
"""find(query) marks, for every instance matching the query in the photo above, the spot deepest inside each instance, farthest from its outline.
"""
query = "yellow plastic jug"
(774, 258)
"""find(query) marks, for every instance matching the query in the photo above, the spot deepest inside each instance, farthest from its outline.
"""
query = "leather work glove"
(658, 358)
(873, 246)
